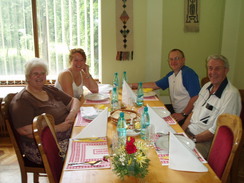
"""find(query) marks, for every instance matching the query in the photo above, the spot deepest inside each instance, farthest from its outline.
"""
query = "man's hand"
(178, 116)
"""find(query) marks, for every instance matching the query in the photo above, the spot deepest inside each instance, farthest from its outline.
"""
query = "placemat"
(107, 101)
(163, 154)
(87, 150)
(80, 121)
(169, 119)
(152, 98)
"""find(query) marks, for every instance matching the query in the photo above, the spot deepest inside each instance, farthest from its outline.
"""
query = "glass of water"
(150, 135)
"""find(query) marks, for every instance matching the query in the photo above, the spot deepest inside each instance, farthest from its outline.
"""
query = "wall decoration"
(124, 30)
(192, 8)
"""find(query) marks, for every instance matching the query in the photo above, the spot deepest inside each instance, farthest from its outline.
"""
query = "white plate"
(163, 142)
(96, 97)
(89, 118)
(162, 112)
(149, 94)
(131, 133)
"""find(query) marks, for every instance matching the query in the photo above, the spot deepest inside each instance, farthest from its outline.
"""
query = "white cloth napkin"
(159, 123)
(97, 128)
(88, 112)
(105, 88)
(182, 158)
(128, 96)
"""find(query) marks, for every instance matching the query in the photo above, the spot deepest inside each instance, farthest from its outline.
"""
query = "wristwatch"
(194, 139)
(184, 114)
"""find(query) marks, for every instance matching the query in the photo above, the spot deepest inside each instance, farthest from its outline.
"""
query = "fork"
(92, 163)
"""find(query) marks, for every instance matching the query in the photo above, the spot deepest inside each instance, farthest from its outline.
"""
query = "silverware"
(92, 163)
(89, 139)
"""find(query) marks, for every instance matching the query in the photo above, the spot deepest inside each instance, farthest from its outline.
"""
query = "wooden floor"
(10, 173)
(9, 168)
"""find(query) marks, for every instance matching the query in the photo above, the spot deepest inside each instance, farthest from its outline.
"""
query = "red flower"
(130, 147)
(105, 158)
(131, 140)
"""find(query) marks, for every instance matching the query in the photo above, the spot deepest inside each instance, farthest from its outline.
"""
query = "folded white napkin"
(159, 123)
(128, 96)
(182, 158)
(97, 128)
(105, 88)
(88, 112)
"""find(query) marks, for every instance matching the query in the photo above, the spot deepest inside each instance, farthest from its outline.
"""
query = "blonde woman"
(72, 80)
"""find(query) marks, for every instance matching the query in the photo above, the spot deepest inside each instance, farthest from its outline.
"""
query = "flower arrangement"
(131, 159)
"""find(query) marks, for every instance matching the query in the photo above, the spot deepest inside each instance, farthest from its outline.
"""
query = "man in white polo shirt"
(183, 84)
(216, 97)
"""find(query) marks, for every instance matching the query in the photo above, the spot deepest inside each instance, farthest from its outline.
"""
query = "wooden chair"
(225, 144)
(26, 166)
(45, 137)
(204, 81)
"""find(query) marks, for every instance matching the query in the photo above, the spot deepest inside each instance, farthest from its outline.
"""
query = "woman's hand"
(64, 126)
(26, 131)
(74, 107)
(85, 70)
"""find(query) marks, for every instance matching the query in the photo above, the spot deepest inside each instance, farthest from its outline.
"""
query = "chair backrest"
(48, 148)
(204, 80)
(225, 144)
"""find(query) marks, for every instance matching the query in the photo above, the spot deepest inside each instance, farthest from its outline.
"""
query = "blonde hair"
(76, 50)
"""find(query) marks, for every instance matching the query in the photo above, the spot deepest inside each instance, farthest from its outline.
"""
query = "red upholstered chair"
(26, 166)
(225, 144)
(47, 145)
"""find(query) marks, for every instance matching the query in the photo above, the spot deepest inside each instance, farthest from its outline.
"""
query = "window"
(47, 29)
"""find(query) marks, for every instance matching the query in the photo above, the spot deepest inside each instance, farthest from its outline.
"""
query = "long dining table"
(157, 172)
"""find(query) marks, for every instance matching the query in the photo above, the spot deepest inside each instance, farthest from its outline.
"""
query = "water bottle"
(145, 122)
(121, 129)
(140, 95)
(146, 116)
(114, 100)
(116, 81)
(124, 77)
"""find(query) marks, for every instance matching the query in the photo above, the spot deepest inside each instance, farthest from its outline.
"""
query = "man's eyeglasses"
(174, 59)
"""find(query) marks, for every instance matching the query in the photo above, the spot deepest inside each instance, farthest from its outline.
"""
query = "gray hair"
(35, 62)
(219, 57)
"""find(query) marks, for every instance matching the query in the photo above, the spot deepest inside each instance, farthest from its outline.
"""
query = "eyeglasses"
(217, 68)
(174, 59)
(35, 74)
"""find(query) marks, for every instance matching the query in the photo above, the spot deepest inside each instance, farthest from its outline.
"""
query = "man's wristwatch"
(194, 139)
(184, 114)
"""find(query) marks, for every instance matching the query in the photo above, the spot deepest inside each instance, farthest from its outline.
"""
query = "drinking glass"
(114, 143)
(150, 135)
